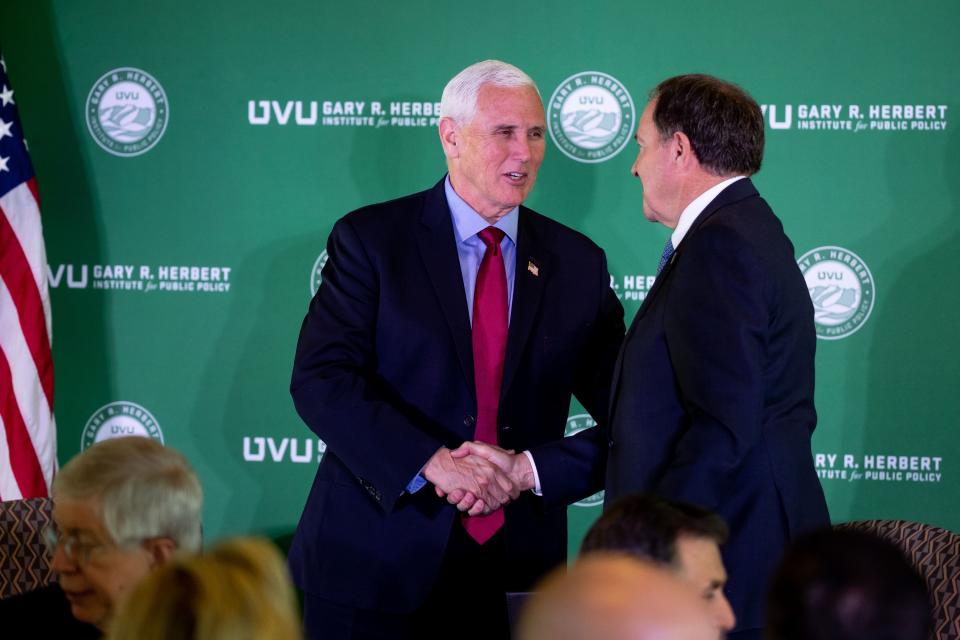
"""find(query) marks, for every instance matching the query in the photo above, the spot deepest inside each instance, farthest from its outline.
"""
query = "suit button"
(469, 420)
(610, 443)
(505, 428)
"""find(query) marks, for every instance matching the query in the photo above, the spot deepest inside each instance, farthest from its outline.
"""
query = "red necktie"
(489, 349)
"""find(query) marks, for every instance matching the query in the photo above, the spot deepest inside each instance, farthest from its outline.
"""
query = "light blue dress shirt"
(467, 223)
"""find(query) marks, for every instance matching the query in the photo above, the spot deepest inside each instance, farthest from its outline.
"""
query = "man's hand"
(472, 483)
(516, 466)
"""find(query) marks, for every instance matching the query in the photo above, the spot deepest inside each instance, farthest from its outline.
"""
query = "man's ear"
(679, 145)
(160, 550)
(449, 137)
(681, 151)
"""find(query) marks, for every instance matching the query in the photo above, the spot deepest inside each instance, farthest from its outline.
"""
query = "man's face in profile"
(94, 571)
(498, 153)
(699, 562)
(656, 167)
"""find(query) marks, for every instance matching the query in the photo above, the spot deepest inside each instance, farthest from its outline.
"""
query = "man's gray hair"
(140, 488)
(459, 99)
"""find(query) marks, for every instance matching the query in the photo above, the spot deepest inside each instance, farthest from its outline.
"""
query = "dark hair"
(847, 585)
(648, 526)
(724, 124)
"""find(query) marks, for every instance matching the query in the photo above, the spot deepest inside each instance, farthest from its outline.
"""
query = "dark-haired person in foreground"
(847, 585)
(712, 399)
(680, 537)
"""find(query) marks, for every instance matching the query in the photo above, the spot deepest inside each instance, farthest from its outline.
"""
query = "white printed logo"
(118, 420)
(315, 277)
(261, 448)
(848, 467)
(127, 111)
(575, 424)
(841, 288)
(591, 116)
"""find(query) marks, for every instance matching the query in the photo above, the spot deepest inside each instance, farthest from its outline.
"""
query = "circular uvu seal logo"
(841, 288)
(575, 424)
(315, 278)
(591, 116)
(127, 111)
(117, 420)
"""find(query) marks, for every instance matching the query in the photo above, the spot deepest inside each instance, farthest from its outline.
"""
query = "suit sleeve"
(335, 387)
(573, 468)
(716, 321)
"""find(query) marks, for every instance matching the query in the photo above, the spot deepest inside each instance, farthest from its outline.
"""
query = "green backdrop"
(186, 204)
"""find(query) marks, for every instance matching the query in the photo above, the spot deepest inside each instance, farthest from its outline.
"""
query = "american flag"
(28, 441)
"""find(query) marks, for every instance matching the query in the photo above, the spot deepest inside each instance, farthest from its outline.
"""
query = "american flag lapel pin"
(533, 268)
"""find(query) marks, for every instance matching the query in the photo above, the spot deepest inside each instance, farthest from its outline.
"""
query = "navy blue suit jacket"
(712, 399)
(384, 375)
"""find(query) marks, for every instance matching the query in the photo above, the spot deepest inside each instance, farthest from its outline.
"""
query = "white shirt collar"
(695, 208)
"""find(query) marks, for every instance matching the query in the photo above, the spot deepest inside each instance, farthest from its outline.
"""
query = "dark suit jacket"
(712, 398)
(384, 375)
(40, 614)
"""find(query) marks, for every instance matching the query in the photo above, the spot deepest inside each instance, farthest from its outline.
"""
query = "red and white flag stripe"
(27, 428)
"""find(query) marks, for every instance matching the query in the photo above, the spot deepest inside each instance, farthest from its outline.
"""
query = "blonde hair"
(239, 590)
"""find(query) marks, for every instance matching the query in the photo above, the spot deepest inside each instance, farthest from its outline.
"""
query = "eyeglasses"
(76, 550)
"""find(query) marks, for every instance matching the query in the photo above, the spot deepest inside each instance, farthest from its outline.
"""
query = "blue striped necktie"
(665, 258)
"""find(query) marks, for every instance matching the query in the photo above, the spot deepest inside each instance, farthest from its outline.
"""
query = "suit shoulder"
(398, 211)
(748, 234)
(559, 235)
(750, 221)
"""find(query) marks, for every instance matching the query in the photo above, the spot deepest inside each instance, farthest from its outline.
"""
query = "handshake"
(479, 478)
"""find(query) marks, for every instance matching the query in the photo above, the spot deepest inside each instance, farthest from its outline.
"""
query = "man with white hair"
(451, 328)
(120, 509)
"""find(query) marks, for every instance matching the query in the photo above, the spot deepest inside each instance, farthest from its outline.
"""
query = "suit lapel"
(642, 311)
(530, 275)
(644, 307)
(733, 193)
(657, 284)
(436, 243)
(737, 191)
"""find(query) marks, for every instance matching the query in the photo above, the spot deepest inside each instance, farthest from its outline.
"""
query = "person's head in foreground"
(121, 508)
(682, 538)
(847, 585)
(615, 597)
(239, 590)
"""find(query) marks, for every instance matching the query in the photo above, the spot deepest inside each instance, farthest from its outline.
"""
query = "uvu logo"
(127, 111)
(841, 288)
(281, 115)
(73, 280)
(256, 449)
(117, 420)
(591, 116)
(770, 111)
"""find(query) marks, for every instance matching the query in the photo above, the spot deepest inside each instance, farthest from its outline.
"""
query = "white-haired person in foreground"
(121, 509)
